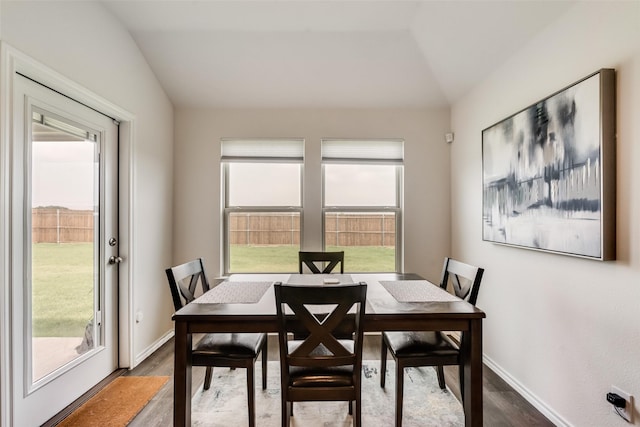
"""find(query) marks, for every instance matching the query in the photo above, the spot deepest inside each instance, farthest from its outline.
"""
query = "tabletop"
(404, 297)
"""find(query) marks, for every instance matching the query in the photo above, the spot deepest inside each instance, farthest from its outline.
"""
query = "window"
(262, 187)
(362, 199)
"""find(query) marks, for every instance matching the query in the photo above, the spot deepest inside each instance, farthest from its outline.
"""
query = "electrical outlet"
(627, 411)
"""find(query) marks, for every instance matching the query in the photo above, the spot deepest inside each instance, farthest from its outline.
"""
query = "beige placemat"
(234, 293)
(417, 291)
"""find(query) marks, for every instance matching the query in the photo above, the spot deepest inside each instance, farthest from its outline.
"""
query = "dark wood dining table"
(383, 313)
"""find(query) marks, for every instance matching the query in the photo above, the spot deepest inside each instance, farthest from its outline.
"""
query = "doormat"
(117, 403)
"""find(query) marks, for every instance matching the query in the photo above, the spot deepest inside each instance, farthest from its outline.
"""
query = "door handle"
(115, 259)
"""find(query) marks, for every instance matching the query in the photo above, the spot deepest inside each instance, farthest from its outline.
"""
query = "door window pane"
(64, 175)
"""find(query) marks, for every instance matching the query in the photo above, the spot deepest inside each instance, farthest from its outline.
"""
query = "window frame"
(397, 209)
(227, 210)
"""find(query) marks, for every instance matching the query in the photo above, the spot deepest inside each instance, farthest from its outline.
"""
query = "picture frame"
(548, 173)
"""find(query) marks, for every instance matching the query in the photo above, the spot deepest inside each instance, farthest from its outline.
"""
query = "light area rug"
(425, 404)
(117, 403)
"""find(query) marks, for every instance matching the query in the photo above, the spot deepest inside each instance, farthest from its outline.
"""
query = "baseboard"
(541, 406)
(152, 348)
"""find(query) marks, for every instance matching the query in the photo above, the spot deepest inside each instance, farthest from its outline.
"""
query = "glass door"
(65, 232)
(65, 288)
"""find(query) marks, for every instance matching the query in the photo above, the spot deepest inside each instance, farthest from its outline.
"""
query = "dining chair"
(323, 366)
(315, 261)
(431, 348)
(231, 350)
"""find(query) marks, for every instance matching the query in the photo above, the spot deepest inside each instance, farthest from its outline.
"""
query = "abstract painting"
(549, 172)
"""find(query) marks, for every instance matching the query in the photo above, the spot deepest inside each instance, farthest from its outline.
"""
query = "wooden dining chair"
(315, 261)
(431, 348)
(323, 366)
(231, 350)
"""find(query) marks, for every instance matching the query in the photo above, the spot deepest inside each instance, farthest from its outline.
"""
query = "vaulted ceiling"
(328, 53)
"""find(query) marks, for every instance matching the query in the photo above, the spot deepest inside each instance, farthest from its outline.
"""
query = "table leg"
(182, 376)
(471, 368)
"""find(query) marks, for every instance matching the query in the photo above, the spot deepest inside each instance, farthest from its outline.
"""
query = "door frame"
(13, 61)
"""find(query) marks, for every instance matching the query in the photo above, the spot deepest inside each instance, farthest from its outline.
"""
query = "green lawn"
(63, 278)
(62, 289)
(269, 259)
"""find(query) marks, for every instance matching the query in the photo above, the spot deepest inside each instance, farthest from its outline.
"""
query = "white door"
(64, 232)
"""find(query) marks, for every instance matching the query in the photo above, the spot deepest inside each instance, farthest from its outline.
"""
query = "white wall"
(560, 329)
(84, 43)
(197, 178)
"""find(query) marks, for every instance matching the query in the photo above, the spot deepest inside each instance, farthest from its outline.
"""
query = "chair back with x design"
(465, 279)
(316, 260)
(183, 281)
(330, 318)
(326, 364)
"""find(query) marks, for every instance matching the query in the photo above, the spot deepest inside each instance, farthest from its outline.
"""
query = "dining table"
(395, 302)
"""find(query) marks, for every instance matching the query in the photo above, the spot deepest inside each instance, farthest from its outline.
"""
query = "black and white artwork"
(543, 168)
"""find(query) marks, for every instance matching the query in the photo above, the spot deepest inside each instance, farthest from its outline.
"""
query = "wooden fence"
(264, 228)
(348, 229)
(60, 225)
(341, 229)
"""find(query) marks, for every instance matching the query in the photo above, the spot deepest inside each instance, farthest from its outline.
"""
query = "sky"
(278, 184)
(63, 174)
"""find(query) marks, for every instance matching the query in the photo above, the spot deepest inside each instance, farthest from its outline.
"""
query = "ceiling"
(328, 53)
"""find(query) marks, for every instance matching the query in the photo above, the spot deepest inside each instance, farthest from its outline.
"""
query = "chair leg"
(357, 419)
(399, 392)
(461, 375)
(441, 381)
(383, 362)
(207, 377)
(251, 395)
(286, 412)
(351, 407)
(264, 366)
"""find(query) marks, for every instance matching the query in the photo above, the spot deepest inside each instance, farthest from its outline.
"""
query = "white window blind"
(389, 151)
(262, 150)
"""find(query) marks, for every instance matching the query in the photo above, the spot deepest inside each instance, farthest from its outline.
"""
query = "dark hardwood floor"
(502, 405)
